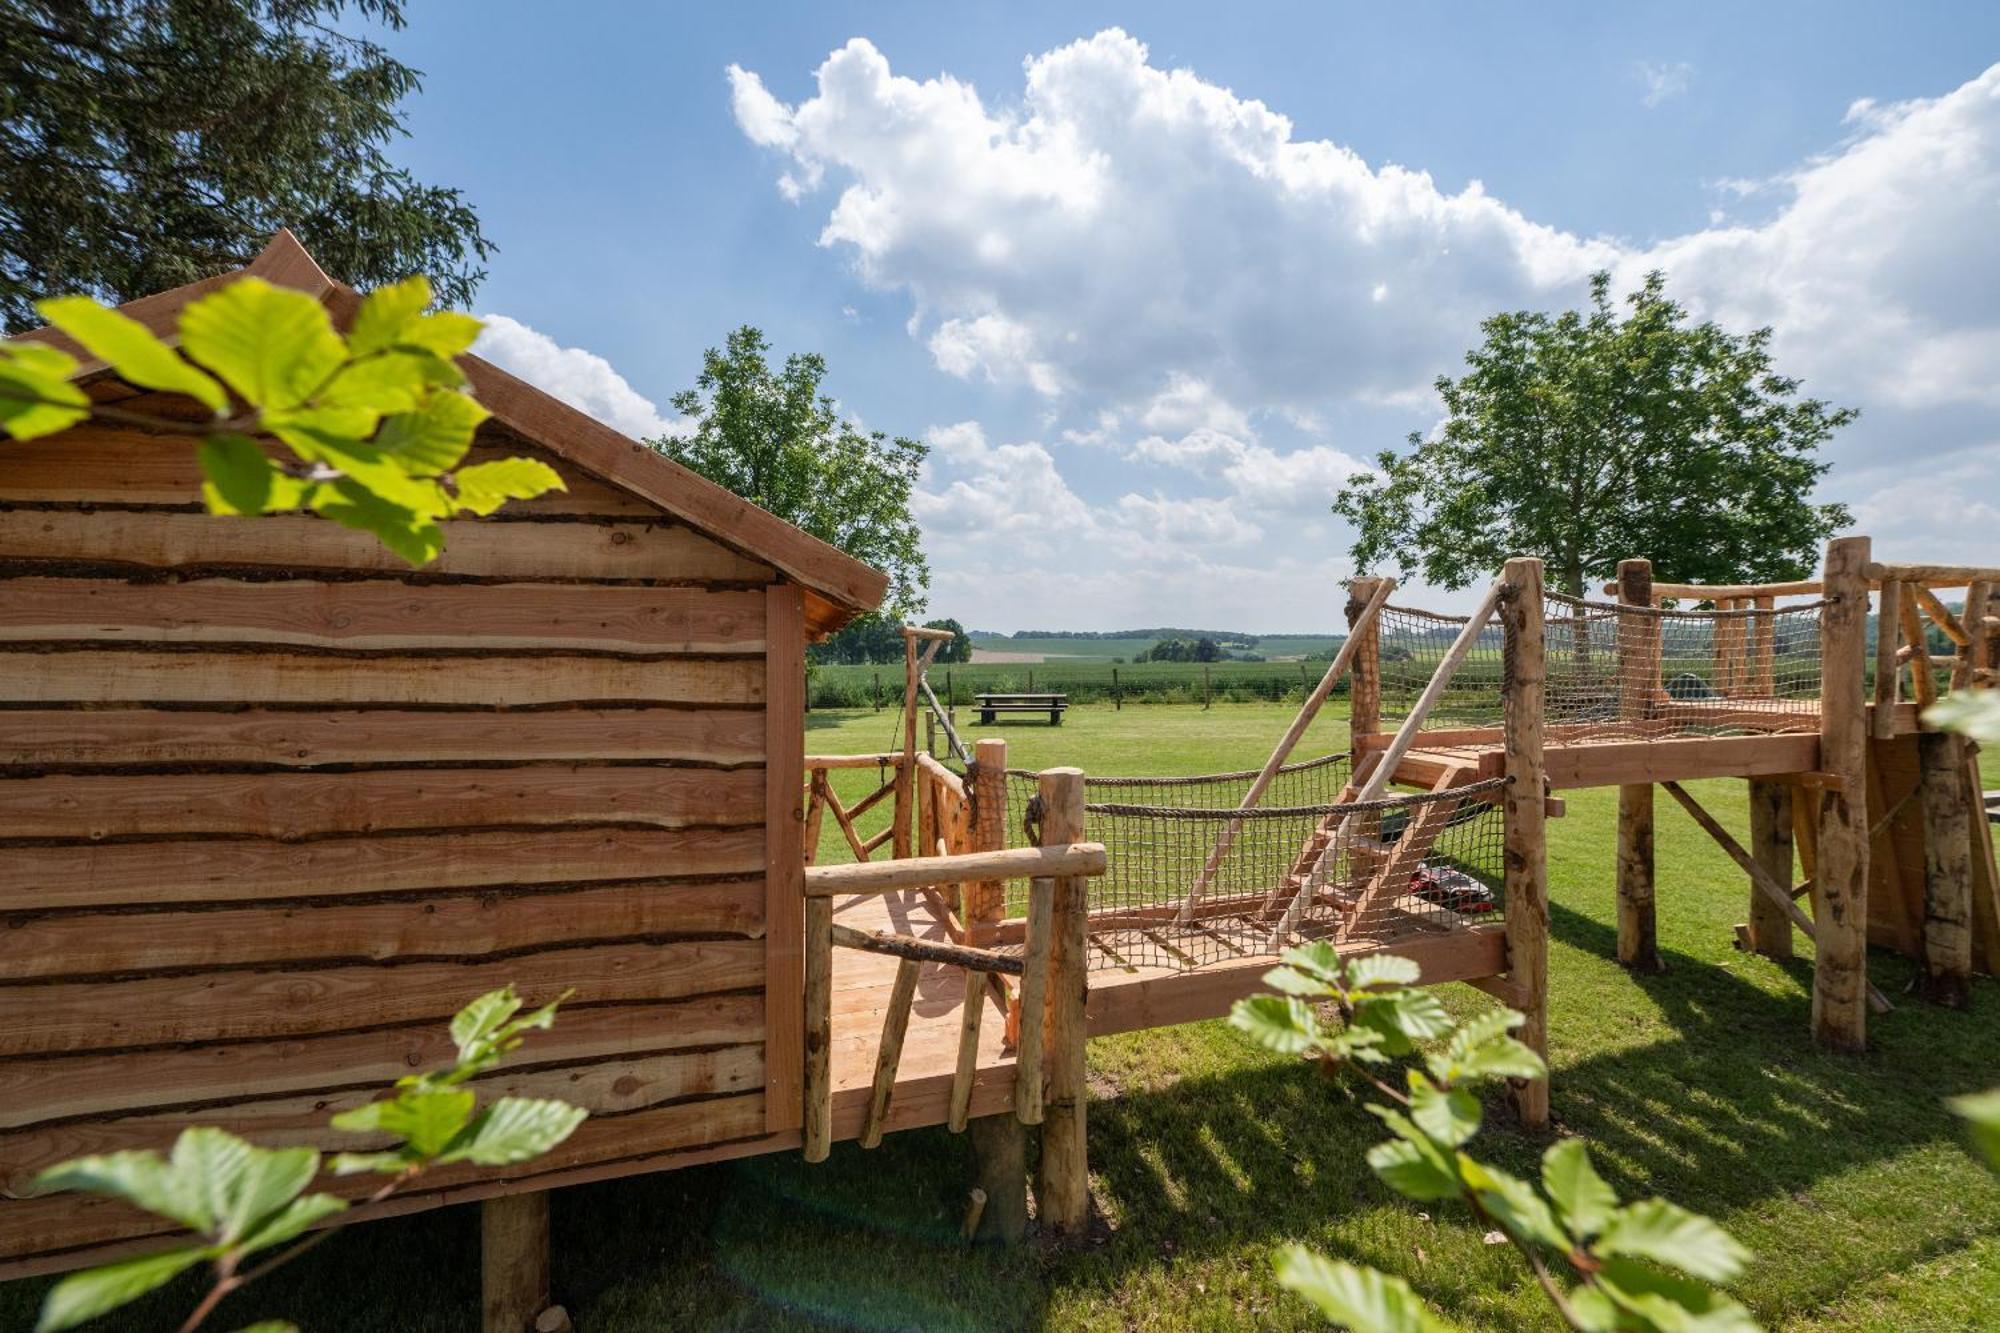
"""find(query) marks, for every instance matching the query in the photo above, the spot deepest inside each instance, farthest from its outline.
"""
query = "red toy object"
(1452, 889)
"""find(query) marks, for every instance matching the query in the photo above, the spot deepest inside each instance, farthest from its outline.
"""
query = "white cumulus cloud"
(581, 378)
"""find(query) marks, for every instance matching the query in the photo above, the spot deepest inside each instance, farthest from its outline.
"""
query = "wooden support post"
(1923, 679)
(819, 1029)
(784, 855)
(1638, 681)
(985, 902)
(1771, 847)
(1947, 942)
(513, 1261)
(1526, 862)
(1977, 656)
(1840, 970)
(1888, 638)
(1364, 695)
(895, 1026)
(1764, 649)
(1000, 1162)
(1063, 1185)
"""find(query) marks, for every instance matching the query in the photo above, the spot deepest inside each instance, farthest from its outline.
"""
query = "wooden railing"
(1049, 1088)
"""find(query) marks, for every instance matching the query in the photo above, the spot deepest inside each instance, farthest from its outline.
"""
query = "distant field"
(1084, 680)
(1052, 647)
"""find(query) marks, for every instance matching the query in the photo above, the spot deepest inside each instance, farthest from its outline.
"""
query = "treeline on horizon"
(1219, 635)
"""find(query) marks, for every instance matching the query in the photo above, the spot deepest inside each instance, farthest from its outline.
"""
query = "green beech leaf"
(1514, 1204)
(36, 397)
(84, 1296)
(1280, 1023)
(139, 1176)
(274, 346)
(473, 1025)
(130, 348)
(1356, 1298)
(291, 1220)
(415, 537)
(1669, 1301)
(1382, 969)
(1573, 1183)
(243, 1183)
(1671, 1235)
(444, 333)
(1982, 1111)
(1977, 714)
(1412, 1171)
(484, 487)
(514, 1129)
(241, 479)
(381, 1163)
(1450, 1117)
(1316, 958)
(426, 1120)
(386, 312)
(389, 382)
(434, 437)
(1403, 1017)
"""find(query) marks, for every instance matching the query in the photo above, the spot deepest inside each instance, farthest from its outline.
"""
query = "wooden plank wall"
(272, 807)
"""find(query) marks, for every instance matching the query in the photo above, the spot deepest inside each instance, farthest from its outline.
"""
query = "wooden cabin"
(275, 805)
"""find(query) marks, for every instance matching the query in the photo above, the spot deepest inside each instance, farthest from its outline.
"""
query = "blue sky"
(1148, 324)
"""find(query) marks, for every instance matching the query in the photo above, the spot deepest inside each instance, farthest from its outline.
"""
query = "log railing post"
(1063, 1185)
(906, 765)
(1888, 638)
(1840, 878)
(1525, 810)
(1638, 669)
(999, 1142)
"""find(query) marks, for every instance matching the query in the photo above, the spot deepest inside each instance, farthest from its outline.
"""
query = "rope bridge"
(1196, 880)
(1620, 672)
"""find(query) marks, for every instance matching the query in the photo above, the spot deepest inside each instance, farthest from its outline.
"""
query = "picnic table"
(992, 705)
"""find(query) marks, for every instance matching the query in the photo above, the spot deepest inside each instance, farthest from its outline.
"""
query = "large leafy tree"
(148, 143)
(1589, 436)
(775, 438)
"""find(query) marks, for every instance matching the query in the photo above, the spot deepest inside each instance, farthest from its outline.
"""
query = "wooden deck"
(1121, 1000)
(1575, 761)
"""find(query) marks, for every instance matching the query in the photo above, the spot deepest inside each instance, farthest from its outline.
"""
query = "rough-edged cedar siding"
(272, 806)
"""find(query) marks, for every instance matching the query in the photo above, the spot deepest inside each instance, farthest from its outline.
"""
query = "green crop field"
(1085, 681)
(1844, 1174)
(1057, 646)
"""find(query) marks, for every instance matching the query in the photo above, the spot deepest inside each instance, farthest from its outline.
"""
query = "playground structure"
(274, 806)
(1479, 720)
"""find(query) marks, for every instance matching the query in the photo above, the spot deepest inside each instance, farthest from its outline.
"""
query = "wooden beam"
(1082, 858)
(1526, 889)
(1720, 592)
(1840, 969)
(925, 951)
(1935, 576)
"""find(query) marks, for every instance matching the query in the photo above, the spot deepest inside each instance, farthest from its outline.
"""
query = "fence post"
(1206, 695)
(1031, 680)
(514, 1261)
(1525, 810)
(1117, 699)
(1364, 691)
(906, 765)
(875, 693)
(1840, 879)
(1063, 1187)
(1638, 941)
(1948, 816)
(999, 1142)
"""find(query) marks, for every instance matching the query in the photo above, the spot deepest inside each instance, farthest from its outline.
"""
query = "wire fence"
(1620, 672)
(1193, 880)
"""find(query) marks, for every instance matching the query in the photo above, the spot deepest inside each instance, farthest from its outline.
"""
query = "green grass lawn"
(1844, 1174)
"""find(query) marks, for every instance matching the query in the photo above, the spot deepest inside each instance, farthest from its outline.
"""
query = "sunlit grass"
(1844, 1174)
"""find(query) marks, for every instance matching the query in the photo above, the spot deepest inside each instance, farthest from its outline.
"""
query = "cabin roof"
(837, 586)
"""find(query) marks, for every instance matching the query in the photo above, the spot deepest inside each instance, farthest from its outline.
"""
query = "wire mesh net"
(1193, 880)
(1619, 672)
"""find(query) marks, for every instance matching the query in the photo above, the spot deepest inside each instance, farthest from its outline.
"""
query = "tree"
(866, 639)
(774, 438)
(1584, 438)
(149, 143)
(959, 649)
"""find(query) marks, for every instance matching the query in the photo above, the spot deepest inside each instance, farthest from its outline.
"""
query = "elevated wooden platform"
(1119, 1000)
(1575, 759)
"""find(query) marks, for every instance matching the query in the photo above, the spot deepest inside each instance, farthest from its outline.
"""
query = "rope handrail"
(1403, 802)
